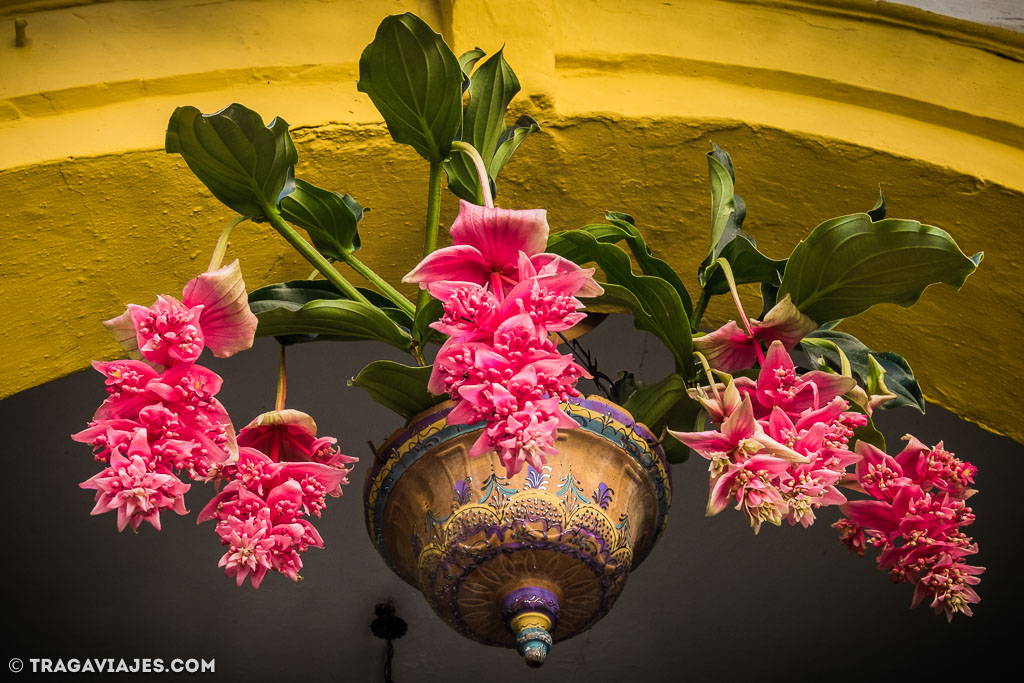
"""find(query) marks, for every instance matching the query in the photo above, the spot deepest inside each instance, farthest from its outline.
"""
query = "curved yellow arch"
(819, 103)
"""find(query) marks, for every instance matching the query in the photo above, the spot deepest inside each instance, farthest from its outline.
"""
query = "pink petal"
(500, 234)
(784, 323)
(227, 323)
(728, 348)
(123, 331)
(460, 263)
(545, 262)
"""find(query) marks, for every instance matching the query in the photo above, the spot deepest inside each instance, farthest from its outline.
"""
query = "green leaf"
(427, 314)
(467, 60)
(333, 320)
(245, 164)
(509, 142)
(899, 378)
(877, 212)
(725, 213)
(294, 293)
(868, 433)
(399, 387)
(491, 88)
(624, 387)
(415, 82)
(649, 265)
(331, 219)
(650, 403)
(728, 240)
(747, 263)
(848, 264)
(654, 302)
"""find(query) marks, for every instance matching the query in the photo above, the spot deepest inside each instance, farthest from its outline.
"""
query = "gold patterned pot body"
(525, 560)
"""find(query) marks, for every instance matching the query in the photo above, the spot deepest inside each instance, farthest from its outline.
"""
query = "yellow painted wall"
(819, 103)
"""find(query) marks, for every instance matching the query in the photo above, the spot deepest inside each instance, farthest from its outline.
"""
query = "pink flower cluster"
(159, 422)
(782, 445)
(161, 419)
(502, 299)
(919, 506)
(260, 513)
(782, 448)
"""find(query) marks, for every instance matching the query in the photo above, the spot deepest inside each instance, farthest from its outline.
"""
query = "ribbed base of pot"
(468, 595)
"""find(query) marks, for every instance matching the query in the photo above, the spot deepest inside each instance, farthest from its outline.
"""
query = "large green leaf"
(728, 241)
(333, 320)
(491, 88)
(295, 293)
(649, 264)
(727, 209)
(899, 378)
(848, 264)
(651, 402)
(331, 219)
(654, 302)
(399, 387)
(243, 163)
(747, 263)
(415, 82)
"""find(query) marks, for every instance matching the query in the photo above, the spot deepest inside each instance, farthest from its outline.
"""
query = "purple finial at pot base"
(530, 599)
(531, 613)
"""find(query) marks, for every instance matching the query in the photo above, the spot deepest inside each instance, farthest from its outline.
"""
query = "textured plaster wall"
(819, 104)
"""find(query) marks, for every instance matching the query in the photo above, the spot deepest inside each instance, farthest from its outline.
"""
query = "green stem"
(312, 255)
(698, 312)
(282, 382)
(481, 170)
(727, 269)
(222, 243)
(380, 283)
(433, 219)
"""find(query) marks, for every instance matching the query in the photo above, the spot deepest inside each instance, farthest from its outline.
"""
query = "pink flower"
(228, 324)
(527, 435)
(167, 332)
(486, 247)
(290, 436)
(249, 544)
(740, 438)
(260, 513)
(948, 583)
(214, 312)
(752, 483)
(779, 385)
(936, 467)
(917, 530)
(136, 486)
(730, 349)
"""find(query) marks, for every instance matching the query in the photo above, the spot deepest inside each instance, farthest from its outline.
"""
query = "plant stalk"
(698, 311)
(481, 170)
(312, 255)
(282, 382)
(380, 283)
(433, 219)
(222, 244)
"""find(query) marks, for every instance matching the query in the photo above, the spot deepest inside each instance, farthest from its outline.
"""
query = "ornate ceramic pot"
(528, 560)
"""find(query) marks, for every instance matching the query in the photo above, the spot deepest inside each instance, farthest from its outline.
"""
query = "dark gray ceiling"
(713, 602)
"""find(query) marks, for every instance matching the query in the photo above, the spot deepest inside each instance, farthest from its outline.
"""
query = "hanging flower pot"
(526, 560)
